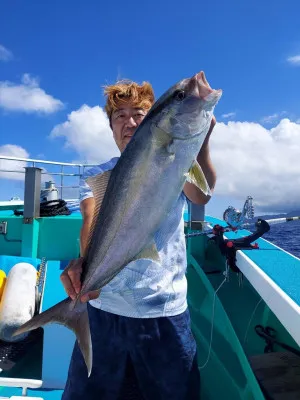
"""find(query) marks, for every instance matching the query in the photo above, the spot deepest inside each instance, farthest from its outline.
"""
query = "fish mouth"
(200, 88)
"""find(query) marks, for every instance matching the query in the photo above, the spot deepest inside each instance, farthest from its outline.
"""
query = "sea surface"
(286, 236)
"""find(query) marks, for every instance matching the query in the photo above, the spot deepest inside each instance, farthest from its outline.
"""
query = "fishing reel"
(236, 218)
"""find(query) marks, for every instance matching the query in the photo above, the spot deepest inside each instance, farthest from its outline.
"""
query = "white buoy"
(18, 300)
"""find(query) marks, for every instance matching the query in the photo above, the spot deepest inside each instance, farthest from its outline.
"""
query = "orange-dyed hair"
(124, 91)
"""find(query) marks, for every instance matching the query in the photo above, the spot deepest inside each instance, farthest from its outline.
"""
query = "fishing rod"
(275, 221)
(252, 225)
(236, 220)
(224, 229)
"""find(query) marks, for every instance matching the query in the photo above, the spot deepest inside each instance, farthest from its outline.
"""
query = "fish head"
(186, 109)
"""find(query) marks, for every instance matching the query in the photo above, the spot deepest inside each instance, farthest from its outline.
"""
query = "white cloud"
(263, 163)
(11, 150)
(5, 54)
(229, 115)
(87, 132)
(249, 158)
(294, 60)
(271, 119)
(27, 96)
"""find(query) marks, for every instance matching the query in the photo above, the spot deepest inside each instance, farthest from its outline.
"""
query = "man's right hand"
(71, 281)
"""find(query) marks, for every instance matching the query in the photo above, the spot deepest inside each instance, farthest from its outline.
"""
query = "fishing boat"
(243, 295)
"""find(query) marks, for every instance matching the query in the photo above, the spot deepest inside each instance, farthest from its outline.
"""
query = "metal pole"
(61, 181)
(32, 193)
(197, 216)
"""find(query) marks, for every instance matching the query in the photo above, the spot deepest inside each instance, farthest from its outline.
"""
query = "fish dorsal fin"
(197, 177)
(98, 184)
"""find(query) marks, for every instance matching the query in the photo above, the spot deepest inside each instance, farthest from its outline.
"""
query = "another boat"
(245, 311)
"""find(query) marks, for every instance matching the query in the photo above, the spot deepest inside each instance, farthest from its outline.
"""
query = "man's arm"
(87, 207)
(71, 277)
(191, 191)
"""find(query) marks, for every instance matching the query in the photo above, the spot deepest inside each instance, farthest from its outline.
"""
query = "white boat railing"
(21, 383)
(62, 174)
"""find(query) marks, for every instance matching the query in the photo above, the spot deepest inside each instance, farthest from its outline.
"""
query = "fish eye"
(179, 95)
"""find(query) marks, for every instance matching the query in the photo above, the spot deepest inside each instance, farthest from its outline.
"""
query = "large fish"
(133, 199)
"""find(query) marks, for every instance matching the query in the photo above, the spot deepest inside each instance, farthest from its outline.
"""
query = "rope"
(50, 208)
(226, 273)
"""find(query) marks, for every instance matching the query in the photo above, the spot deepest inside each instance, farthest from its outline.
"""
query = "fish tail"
(73, 315)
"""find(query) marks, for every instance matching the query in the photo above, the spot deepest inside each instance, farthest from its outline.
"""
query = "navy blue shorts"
(149, 359)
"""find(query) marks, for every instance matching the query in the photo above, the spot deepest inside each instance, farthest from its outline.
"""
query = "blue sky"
(65, 51)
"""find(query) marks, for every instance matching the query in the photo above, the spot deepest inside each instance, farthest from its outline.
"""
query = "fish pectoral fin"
(74, 317)
(197, 177)
(162, 138)
(98, 184)
(149, 252)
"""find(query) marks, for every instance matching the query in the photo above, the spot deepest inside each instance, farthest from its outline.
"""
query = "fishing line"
(251, 318)
(226, 273)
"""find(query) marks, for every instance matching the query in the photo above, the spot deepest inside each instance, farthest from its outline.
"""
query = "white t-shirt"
(144, 288)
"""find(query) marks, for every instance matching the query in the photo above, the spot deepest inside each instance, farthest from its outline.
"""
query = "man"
(140, 320)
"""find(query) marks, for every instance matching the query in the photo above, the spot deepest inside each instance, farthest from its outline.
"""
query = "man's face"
(124, 122)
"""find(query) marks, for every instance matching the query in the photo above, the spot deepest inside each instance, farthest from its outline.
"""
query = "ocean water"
(286, 236)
